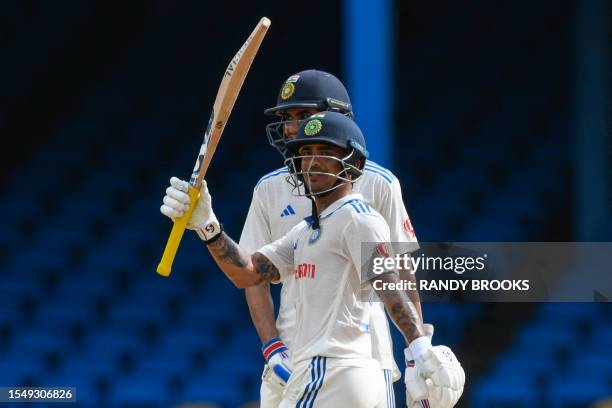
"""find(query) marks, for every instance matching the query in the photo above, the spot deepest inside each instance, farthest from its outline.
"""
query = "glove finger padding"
(179, 184)
(416, 387)
(178, 195)
(445, 376)
(175, 204)
(170, 212)
(440, 397)
(453, 375)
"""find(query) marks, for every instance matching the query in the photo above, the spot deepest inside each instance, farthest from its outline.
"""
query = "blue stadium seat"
(597, 361)
(77, 367)
(574, 312)
(492, 228)
(523, 364)
(35, 340)
(189, 337)
(128, 313)
(149, 391)
(111, 341)
(602, 336)
(503, 391)
(171, 362)
(212, 388)
(544, 339)
(579, 389)
(15, 368)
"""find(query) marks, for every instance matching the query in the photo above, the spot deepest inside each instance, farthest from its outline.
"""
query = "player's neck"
(323, 202)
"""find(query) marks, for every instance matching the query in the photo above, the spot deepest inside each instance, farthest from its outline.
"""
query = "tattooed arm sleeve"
(242, 269)
(400, 308)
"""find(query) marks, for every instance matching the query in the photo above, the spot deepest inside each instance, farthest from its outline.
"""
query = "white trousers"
(322, 382)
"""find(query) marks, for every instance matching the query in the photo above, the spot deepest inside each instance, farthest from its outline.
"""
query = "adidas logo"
(288, 211)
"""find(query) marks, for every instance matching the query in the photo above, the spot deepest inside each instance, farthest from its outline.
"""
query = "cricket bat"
(232, 81)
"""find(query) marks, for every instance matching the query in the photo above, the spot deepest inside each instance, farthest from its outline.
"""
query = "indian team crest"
(314, 236)
(313, 127)
(287, 90)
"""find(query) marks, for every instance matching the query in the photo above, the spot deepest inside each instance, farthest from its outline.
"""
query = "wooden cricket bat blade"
(230, 86)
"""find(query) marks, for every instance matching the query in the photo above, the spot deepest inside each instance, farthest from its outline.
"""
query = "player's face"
(316, 163)
(292, 119)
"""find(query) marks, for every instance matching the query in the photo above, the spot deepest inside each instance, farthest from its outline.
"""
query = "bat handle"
(165, 265)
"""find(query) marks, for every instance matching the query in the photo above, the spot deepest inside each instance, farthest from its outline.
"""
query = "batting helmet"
(312, 89)
(328, 128)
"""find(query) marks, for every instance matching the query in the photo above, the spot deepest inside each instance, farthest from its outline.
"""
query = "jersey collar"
(339, 203)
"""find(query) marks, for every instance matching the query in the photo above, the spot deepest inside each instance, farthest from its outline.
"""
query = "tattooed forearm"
(407, 275)
(266, 269)
(227, 250)
(242, 269)
(400, 308)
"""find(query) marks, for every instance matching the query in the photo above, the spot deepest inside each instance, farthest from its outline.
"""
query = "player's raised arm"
(241, 268)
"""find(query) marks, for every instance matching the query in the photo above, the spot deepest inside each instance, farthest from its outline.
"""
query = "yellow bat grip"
(165, 265)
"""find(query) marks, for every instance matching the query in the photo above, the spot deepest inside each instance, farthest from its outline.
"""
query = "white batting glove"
(279, 367)
(202, 220)
(414, 383)
(440, 378)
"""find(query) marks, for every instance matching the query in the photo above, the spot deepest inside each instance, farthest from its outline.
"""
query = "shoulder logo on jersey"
(382, 250)
(407, 225)
(359, 206)
(287, 91)
(314, 236)
(288, 211)
(313, 127)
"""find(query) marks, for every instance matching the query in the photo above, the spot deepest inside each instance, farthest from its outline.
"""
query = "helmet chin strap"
(315, 213)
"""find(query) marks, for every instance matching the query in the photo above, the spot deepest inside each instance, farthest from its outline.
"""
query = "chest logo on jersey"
(314, 236)
(305, 270)
(288, 211)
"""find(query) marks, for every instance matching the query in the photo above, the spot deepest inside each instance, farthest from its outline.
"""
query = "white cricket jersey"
(324, 265)
(274, 211)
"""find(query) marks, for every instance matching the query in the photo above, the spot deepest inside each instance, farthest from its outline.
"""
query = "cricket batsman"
(321, 256)
(275, 209)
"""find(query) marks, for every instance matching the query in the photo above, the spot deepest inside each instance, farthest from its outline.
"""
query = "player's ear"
(360, 164)
(354, 174)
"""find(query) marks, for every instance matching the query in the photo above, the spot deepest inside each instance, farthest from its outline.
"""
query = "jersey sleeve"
(280, 253)
(256, 231)
(391, 207)
(366, 237)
